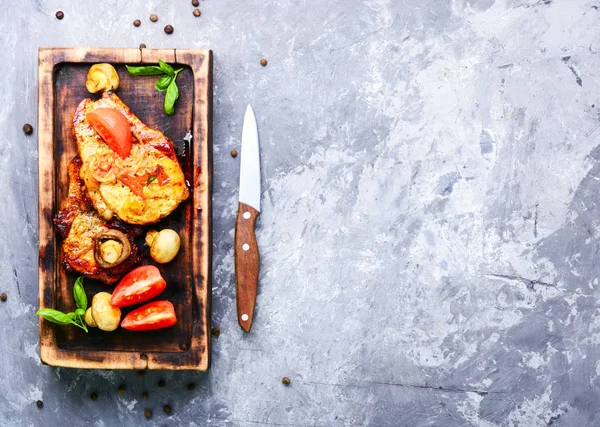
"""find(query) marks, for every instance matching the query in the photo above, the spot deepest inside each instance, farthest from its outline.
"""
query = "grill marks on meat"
(141, 189)
(78, 223)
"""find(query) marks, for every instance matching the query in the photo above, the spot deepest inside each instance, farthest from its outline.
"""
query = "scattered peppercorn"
(169, 29)
(286, 381)
(121, 389)
(93, 396)
(3, 297)
(263, 62)
(197, 13)
(161, 383)
(137, 23)
(145, 395)
(233, 154)
(39, 403)
(142, 46)
(141, 373)
(167, 409)
(154, 17)
(195, 3)
(148, 413)
(191, 386)
(60, 15)
(28, 129)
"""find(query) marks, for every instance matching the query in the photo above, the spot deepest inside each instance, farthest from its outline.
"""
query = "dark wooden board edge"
(197, 357)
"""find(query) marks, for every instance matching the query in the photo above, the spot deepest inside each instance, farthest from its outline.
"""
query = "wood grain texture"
(62, 73)
(246, 264)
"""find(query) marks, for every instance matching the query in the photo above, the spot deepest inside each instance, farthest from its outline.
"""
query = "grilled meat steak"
(82, 228)
(141, 189)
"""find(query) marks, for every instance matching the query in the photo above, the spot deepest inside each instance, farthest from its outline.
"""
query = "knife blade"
(246, 249)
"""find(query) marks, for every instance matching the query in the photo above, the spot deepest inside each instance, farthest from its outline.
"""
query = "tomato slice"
(161, 175)
(155, 315)
(114, 129)
(139, 285)
(134, 183)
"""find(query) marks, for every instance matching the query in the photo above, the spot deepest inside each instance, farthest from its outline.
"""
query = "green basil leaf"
(79, 294)
(54, 316)
(167, 69)
(178, 71)
(78, 319)
(151, 179)
(163, 83)
(145, 70)
(170, 98)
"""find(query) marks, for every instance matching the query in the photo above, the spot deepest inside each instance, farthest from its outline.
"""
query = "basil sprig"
(74, 318)
(144, 71)
(166, 83)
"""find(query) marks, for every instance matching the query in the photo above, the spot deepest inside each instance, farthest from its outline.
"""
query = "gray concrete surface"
(429, 232)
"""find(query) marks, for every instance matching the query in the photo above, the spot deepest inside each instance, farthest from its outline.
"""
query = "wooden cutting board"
(62, 74)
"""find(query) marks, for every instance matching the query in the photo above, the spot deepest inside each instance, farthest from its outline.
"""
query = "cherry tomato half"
(155, 315)
(137, 286)
(114, 129)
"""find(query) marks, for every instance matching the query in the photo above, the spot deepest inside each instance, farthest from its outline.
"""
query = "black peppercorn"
(148, 413)
(161, 383)
(28, 129)
(60, 15)
(233, 154)
(121, 389)
(145, 395)
(195, 3)
(197, 13)
(39, 403)
(169, 29)
(167, 409)
(154, 17)
(263, 62)
(142, 46)
(137, 23)
(191, 386)
(285, 381)
(93, 396)
(3, 297)
(141, 373)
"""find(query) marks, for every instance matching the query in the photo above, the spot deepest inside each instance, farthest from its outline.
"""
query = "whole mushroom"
(106, 316)
(164, 245)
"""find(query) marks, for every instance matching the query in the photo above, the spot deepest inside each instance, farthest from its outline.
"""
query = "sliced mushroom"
(111, 248)
(102, 77)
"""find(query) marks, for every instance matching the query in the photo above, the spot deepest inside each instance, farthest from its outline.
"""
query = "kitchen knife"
(246, 249)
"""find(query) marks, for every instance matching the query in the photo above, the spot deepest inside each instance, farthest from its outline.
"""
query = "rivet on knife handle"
(246, 264)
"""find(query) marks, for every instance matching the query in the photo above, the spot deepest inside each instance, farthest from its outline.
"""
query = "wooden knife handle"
(246, 264)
